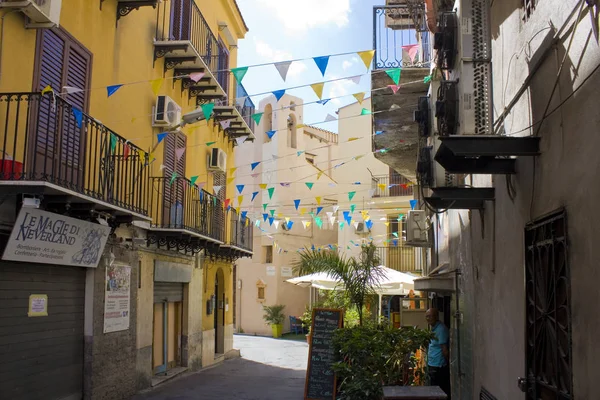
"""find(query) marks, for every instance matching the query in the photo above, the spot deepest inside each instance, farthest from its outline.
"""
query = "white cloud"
(339, 88)
(269, 54)
(299, 15)
(346, 65)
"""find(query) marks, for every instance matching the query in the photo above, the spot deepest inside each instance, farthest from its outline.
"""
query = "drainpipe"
(457, 319)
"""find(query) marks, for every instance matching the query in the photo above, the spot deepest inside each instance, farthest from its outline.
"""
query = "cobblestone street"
(269, 369)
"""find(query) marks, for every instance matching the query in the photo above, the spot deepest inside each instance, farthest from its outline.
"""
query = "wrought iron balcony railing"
(178, 205)
(45, 141)
(391, 186)
(245, 106)
(395, 27)
(241, 231)
(400, 258)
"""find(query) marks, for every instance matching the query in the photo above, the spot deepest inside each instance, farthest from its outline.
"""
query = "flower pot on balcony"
(11, 170)
(277, 329)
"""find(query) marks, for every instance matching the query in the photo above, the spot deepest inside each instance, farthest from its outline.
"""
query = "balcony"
(185, 217)
(396, 26)
(392, 185)
(76, 166)
(239, 237)
(400, 258)
(184, 39)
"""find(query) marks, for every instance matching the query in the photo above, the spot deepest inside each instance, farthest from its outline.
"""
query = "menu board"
(320, 379)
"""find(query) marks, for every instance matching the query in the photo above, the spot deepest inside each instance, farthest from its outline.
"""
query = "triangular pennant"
(239, 73)
(394, 74)
(243, 214)
(302, 211)
(352, 207)
(378, 132)
(240, 188)
(193, 179)
(207, 110)
(196, 76)
(309, 185)
(173, 177)
(394, 88)
(319, 175)
(297, 203)
(336, 208)
(110, 90)
(263, 186)
(427, 79)
(359, 97)
(113, 142)
(366, 57)
(351, 195)
(283, 68)
(276, 223)
(319, 209)
(305, 224)
(382, 186)
(318, 88)
(254, 194)
(47, 89)
(319, 222)
(200, 186)
(265, 216)
(226, 203)
(257, 223)
(254, 165)
(299, 153)
(255, 175)
(271, 220)
(225, 123)
(161, 136)
(412, 50)
(364, 111)
(395, 234)
(355, 224)
(126, 150)
(369, 224)
(342, 227)
(323, 102)
(208, 144)
(330, 118)
(179, 153)
(270, 134)
(318, 199)
(256, 117)
(278, 94)
(78, 114)
(290, 224)
(156, 85)
(217, 188)
(355, 79)
(240, 140)
(71, 89)
(230, 180)
(322, 63)
(265, 206)
(413, 204)
(240, 199)
(287, 219)
(371, 192)
(271, 190)
(386, 223)
(272, 213)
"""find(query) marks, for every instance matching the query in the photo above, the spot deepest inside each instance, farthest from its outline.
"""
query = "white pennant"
(257, 223)
(332, 220)
(329, 214)
(276, 223)
(304, 224)
(71, 89)
(336, 208)
(371, 192)
(241, 140)
(329, 118)
(355, 225)
(179, 153)
(225, 124)
(275, 157)
(161, 167)
(283, 68)
(394, 107)
(355, 79)
(217, 189)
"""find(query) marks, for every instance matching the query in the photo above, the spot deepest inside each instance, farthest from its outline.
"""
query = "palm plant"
(359, 276)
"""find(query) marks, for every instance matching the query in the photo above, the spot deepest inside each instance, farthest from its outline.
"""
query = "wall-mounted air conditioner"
(417, 228)
(41, 13)
(218, 160)
(166, 113)
(430, 174)
(362, 229)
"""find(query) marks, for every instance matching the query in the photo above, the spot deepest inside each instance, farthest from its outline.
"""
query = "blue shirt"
(435, 357)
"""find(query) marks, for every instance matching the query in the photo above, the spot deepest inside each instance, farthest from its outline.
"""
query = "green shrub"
(274, 314)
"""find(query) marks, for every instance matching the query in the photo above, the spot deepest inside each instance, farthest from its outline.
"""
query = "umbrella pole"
(379, 307)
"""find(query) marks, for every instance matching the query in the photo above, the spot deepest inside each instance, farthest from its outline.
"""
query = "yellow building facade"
(103, 109)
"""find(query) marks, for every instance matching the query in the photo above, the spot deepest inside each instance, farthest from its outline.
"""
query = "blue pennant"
(240, 188)
(244, 213)
(322, 63)
(323, 102)
(319, 209)
(279, 94)
(254, 194)
(254, 165)
(413, 204)
(265, 216)
(110, 90)
(270, 134)
(290, 224)
(271, 219)
(78, 116)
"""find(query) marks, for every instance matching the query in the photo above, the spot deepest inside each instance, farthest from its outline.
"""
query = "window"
(529, 6)
(292, 106)
(292, 134)
(268, 118)
(261, 293)
(268, 254)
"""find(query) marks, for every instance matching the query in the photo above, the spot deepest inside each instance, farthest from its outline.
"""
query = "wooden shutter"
(181, 19)
(174, 193)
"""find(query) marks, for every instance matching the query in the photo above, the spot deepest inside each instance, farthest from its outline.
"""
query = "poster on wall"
(271, 270)
(42, 237)
(287, 272)
(117, 298)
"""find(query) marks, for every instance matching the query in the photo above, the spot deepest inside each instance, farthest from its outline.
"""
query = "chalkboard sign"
(320, 379)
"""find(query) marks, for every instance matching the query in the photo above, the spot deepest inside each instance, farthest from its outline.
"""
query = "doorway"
(167, 326)
(219, 314)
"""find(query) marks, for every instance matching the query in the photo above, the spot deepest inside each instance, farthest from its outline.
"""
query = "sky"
(283, 30)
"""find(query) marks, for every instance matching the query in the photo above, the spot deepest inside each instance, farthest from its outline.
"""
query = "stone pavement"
(269, 369)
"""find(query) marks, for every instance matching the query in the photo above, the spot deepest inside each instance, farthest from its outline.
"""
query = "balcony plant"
(274, 316)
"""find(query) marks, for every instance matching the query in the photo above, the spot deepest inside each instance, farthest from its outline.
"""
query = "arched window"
(268, 118)
(292, 136)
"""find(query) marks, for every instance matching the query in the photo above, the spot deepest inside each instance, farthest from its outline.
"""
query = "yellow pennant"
(308, 223)
(318, 88)
(237, 210)
(318, 199)
(358, 157)
(247, 221)
(279, 215)
(262, 185)
(151, 157)
(381, 186)
(387, 223)
(319, 174)
(47, 89)
(229, 180)
(156, 85)
(240, 199)
(299, 126)
(359, 97)
(133, 120)
(302, 211)
(352, 139)
(142, 155)
(366, 57)
(287, 220)
(232, 170)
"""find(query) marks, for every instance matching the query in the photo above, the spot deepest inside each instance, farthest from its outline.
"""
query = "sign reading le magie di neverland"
(43, 237)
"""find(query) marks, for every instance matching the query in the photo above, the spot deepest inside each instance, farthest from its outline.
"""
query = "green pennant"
(352, 207)
(193, 180)
(309, 185)
(239, 73)
(271, 190)
(427, 79)
(272, 212)
(173, 178)
(364, 111)
(256, 117)
(208, 144)
(207, 110)
(265, 206)
(351, 195)
(113, 142)
(394, 74)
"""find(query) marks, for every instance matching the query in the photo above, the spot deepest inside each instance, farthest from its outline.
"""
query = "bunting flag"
(200, 186)
(193, 179)
(378, 132)
(179, 153)
(240, 200)
(319, 209)
(351, 195)
(196, 76)
(382, 186)
(352, 139)
(271, 190)
(257, 223)
(290, 224)
(254, 194)
(322, 63)
(256, 117)
(355, 224)
(226, 123)
(319, 175)
(78, 114)
(395, 234)
(208, 144)
(272, 212)
(305, 224)
(352, 208)
(232, 170)
(71, 90)
(413, 204)
(366, 57)
(265, 206)
(230, 180)
(239, 73)
(369, 224)
(240, 188)
(318, 199)
(173, 176)
(278, 94)
(302, 211)
(216, 189)
(126, 150)
(48, 89)
(263, 186)
(297, 203)
(330, 118)
(412, 50)
(254, 165)
(323, 102)
(309, 185)
(287, 219)
(161, 136)
(318, 89)
(207, 110)
(332, 220)
(300, 126)
(271, 220)
(365, 112)
(355, 79)
(156, 85)
(342, 227)
(226, 203)
(336, 208)
(110, 90)
(270, 134)
(394, 74)
(265, 216)
(427, 79)
(283, 67)
(346, 215)
(394, 88)
(243, 214)
(240, 140)
(371, 192)
(255, 175)
(359, 97)
(113, 142)
(319, 222)
(299, 153)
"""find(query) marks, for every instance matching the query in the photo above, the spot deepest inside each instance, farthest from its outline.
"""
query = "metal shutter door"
(42, 357)
(171, 292)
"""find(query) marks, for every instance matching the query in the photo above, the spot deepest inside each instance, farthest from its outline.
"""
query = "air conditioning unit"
(41, 13)
(430, 174)
(361, 228)
(424, 115)
(417, 229)
(284, 226)
(447, 108)
(445, 41)
(166, 113)
(218, 160)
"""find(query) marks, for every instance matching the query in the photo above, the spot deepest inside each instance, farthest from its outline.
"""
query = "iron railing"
(400, 258)
(241, 231)
(391, 186)
(395, 26)
(179, 205)
(45, 138)
(182, 20)
(245, 106)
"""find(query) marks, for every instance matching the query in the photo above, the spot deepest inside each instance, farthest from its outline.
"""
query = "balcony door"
(181, 11)
(57, 140)
(174, 192)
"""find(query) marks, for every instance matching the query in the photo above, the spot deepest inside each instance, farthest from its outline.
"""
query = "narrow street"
(268, 369)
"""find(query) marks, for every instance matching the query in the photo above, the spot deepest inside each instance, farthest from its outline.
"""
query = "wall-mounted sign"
(286, 272)
(271, 270)
(43, 237)
(38, 305)
(117, 299)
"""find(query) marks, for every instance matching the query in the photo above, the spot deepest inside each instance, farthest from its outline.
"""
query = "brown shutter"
(173, 193)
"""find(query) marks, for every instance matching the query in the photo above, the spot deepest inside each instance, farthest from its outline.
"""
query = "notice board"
(320, 379)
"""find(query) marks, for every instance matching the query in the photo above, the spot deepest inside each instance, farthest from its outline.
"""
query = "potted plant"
(274, 316)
